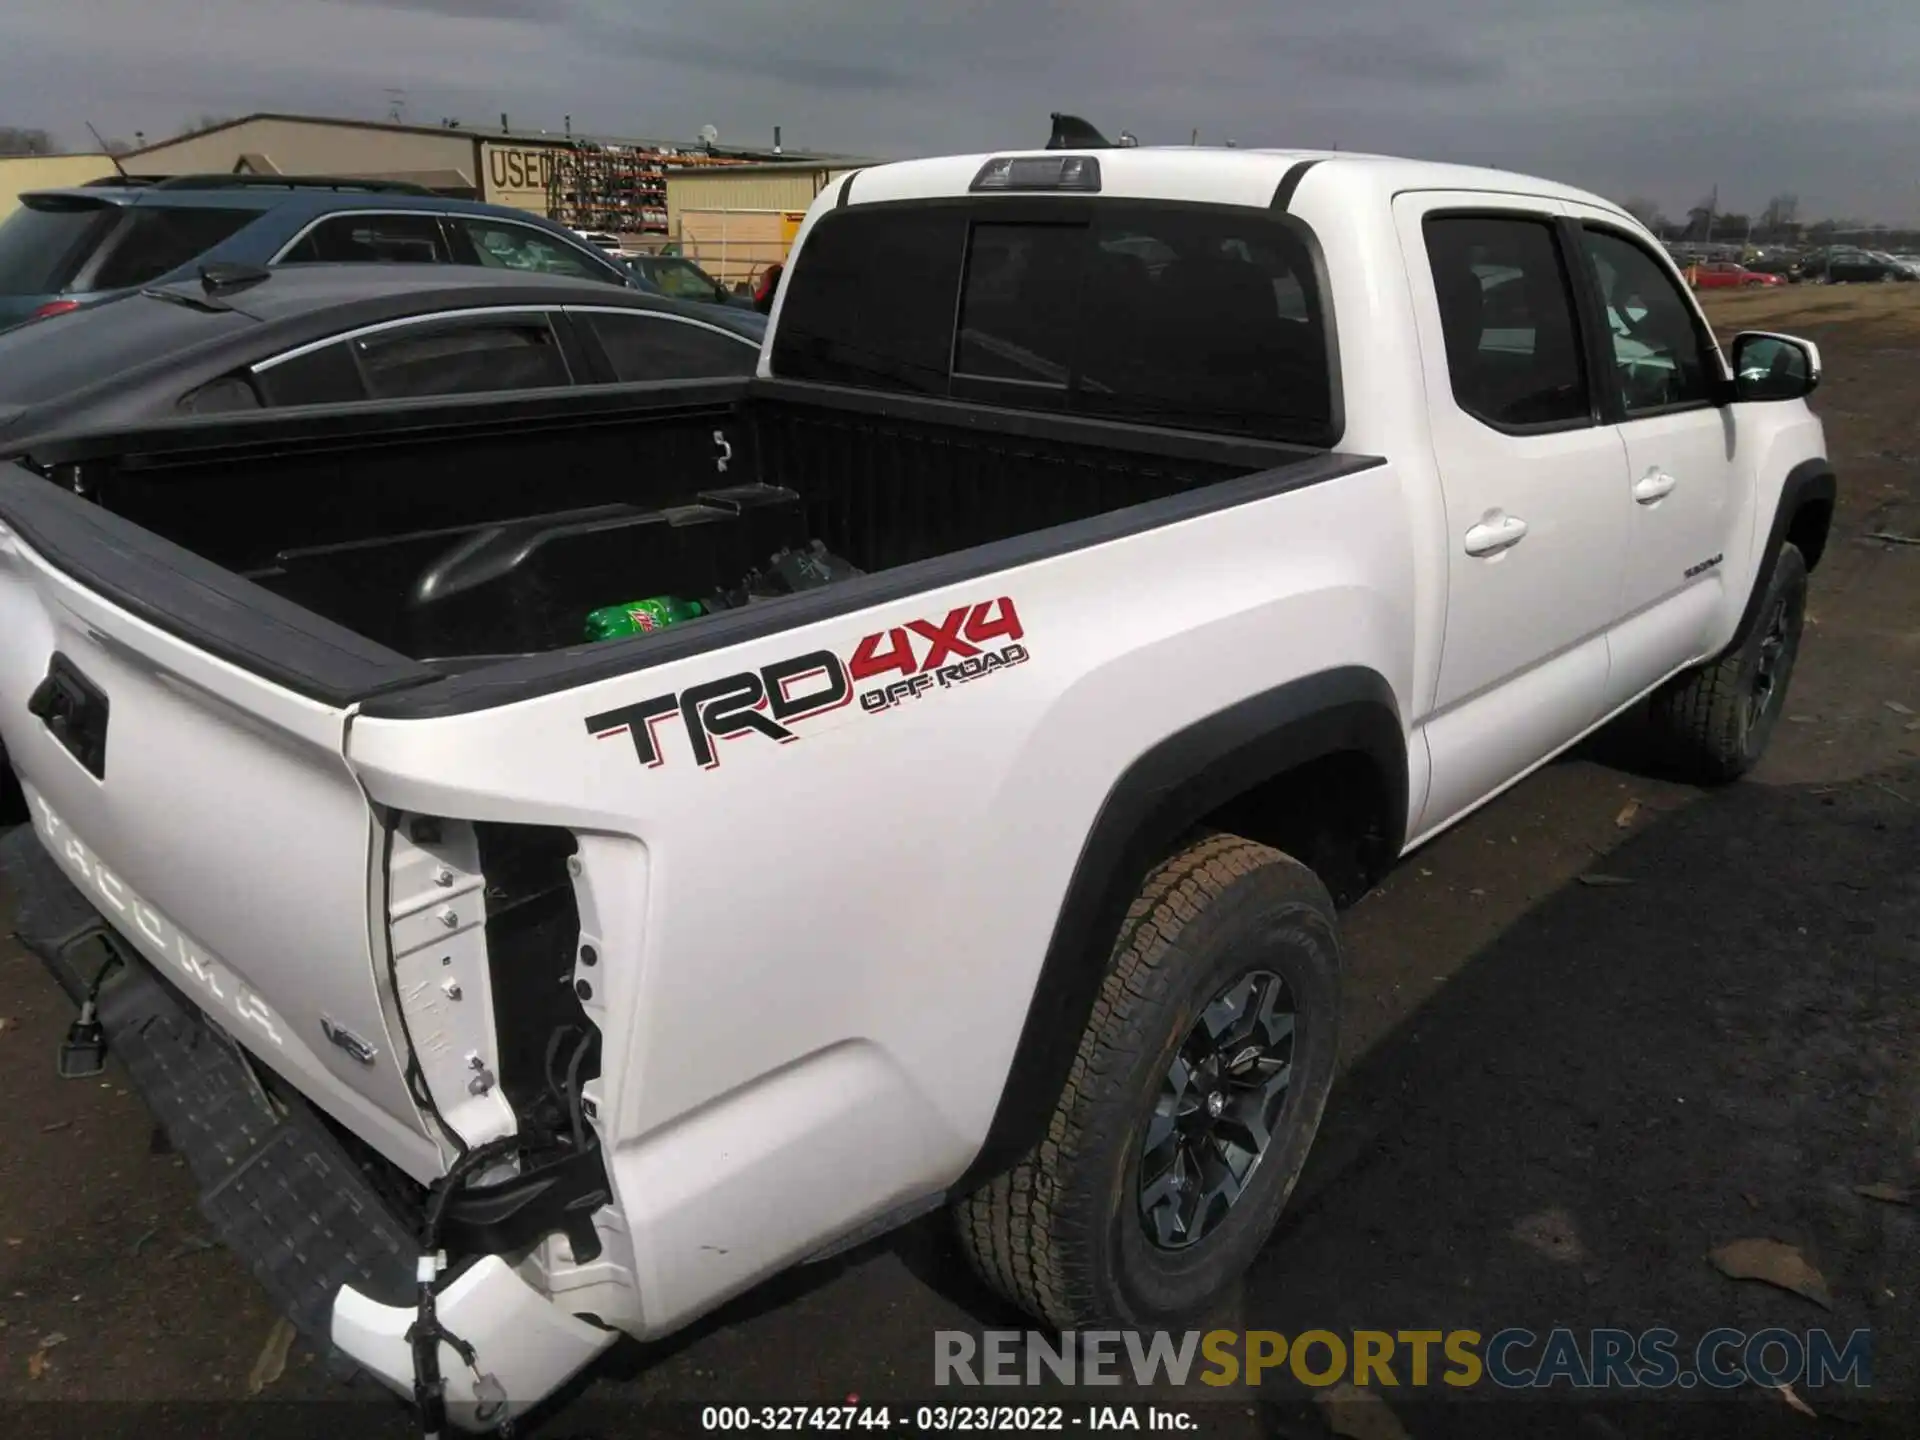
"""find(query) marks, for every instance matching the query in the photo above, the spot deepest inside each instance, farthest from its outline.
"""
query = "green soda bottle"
(641, 617)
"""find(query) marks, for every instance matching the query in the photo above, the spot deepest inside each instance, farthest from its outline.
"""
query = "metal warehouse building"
(539, 171)
(738, 219)
(507, 169)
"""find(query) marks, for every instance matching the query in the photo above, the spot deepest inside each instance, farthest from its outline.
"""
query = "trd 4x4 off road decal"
(925, 654)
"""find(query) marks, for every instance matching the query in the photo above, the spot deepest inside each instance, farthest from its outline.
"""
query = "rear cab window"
(1202, 317)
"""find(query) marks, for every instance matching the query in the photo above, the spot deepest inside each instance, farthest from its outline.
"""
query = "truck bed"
(348, 554)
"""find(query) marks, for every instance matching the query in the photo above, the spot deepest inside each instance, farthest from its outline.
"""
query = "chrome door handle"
(1490, 537)
(1655, 485)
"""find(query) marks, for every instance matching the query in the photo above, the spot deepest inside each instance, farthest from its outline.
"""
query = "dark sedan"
(243, 338)
(1855, 267)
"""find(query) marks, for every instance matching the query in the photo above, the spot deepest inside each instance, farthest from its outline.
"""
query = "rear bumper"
(277, 1186)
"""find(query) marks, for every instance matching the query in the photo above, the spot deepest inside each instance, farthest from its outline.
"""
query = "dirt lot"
(1560, 1096)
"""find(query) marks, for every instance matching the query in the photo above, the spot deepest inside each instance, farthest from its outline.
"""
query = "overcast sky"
(1663, 98)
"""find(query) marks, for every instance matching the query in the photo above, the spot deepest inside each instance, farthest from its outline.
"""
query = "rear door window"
(505, 246)
(44, 241)
(658, 347)
(372, 239)
(155, 240)
(1507, 316)
(1205, 317)
(422, 360)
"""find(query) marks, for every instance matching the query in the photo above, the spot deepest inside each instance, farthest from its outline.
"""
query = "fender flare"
(1809, 482)
(1158, 798)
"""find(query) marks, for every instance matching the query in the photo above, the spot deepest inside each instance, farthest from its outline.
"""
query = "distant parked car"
(601, 240)
(1791, 268)
(1854, 267)
(1726, 275)
(66, 248)
(680, 279)
(249, 338)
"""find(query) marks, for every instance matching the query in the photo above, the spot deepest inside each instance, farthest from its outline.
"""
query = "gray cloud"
(806, 68)
(1664, 99)
(1402, 59)
(545, 11)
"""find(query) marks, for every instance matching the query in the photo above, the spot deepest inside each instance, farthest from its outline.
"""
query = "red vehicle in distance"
(1726, 275)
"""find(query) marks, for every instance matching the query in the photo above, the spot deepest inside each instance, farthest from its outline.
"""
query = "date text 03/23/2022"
(941, 1419)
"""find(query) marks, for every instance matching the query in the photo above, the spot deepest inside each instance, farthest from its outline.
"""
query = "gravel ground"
(1559, 1096)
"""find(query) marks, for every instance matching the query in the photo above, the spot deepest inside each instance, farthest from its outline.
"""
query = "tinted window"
(872, 302)
(650, 347)
(1506, 310)
(221, 397)
(1660, 357)
(154, 241)
(366, 239)
(42, 244)
(506, 246)
(472, 359)
(327, 376)
(1183, 316)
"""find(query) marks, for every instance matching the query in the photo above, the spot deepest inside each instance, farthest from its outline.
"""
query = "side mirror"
(1774, 367)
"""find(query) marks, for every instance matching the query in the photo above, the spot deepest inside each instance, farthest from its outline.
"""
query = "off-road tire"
(1061, 1235)
(1705, 723)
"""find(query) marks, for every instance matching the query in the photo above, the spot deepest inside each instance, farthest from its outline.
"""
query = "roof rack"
(288, 182)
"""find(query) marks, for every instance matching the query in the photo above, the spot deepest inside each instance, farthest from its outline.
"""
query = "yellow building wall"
(735, 225)
(20, 173)
(312, 147)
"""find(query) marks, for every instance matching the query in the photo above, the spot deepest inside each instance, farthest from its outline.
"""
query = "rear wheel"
(1196, 1090)
(1714, 723)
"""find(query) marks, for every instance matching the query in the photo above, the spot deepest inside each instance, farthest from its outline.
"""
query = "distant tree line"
(27, 140)
(1779, 224)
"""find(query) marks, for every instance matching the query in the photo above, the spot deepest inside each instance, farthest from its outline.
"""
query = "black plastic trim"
(1160, 797)
(1065, 427)
(846, 189)
(519, 680)
(513, 1213)
(178, 592)
(1809, 482)
(1290, 182)
(352, 424)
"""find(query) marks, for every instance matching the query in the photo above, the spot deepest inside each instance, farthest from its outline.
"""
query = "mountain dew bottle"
(641, 617)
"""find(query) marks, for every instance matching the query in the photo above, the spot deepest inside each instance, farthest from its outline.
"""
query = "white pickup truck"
(1169, 541)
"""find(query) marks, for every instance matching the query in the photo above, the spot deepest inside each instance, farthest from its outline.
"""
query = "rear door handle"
(1655, 485)
(1490, 537)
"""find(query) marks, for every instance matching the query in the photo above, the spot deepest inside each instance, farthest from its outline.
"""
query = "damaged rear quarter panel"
(852, 897)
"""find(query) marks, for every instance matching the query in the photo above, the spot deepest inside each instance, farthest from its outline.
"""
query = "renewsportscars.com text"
(1511, 1359)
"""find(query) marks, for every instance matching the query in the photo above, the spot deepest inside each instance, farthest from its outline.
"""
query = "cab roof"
(1214, 175)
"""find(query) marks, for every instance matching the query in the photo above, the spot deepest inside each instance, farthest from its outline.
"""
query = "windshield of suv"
(681, 279)
(44, 242)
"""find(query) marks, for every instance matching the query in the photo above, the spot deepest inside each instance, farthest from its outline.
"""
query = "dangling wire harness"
(427, 1334)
